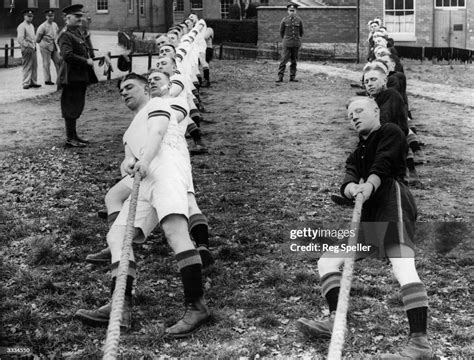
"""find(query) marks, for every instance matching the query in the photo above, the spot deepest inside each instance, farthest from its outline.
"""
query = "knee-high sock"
(415, 301)
(330, 285)
(198, 228)
(132, 273)
(189, 264)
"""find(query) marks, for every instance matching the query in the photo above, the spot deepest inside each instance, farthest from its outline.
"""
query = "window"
(54, 4)
(32, 4)
(102, 6)
(450, 3)
(225, 5)
(141, 6)
(263, 2)
(196, 4)
(179, 5)
(131, 6)
(400, 17)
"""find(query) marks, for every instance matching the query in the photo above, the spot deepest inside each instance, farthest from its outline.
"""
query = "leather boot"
(417, 348)
(102, 257)
(100, 317)
(195, 314)
(280, 79)
(317, 328)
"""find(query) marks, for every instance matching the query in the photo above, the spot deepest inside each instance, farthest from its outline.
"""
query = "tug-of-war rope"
(339, 328)
(118, 298)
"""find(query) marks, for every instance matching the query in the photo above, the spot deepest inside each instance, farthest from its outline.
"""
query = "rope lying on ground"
(339, 329)
(113, 330)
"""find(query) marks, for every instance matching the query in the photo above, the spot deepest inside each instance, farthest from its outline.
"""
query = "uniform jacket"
(47, 35)
(291, 30)
(26, 36)
(392, 108)
(74, 54)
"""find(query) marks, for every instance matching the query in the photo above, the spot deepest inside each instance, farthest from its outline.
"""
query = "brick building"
(149, 15)
(422, 23)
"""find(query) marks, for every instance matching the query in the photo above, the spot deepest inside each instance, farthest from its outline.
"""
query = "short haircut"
(377, 66)
(172, 59)
(175, 32)
(366, 99)
(170, 45)
(160, 35)
(132, 76)
(155, 70)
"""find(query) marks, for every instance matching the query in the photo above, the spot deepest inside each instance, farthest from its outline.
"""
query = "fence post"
(12, 51)
(149, 60)
(422, 54)
(221, 48)
(109, 71)
(131, 63)
(6, 55)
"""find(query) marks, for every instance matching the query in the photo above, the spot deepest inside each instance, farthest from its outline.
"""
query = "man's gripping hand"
(128, 165)
(142, 167)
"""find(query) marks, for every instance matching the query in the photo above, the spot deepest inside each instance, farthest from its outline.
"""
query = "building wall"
(320, 24)
(119, 17)
(470, 25)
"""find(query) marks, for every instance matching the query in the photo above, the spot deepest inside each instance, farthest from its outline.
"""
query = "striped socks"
(190, 265)
(132, 273)
(199, 229)
(415, 301)
(330, 285)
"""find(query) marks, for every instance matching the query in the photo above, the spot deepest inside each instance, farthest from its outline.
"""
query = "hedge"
(236, 31)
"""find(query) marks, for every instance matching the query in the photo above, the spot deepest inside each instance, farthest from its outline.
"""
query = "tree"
(251, 12)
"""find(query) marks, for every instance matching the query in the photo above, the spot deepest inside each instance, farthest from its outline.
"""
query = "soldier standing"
(291, 31)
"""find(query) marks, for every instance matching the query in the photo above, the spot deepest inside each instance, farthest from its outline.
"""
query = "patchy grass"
(276, 157)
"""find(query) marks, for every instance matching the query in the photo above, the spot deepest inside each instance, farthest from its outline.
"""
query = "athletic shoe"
(317, 328)
(49, 83)
(26, 87)
(101, 316)
(195, 315)
(74, 143)
(206, 257)
(102, 257)
(35, 85)
(417, 348)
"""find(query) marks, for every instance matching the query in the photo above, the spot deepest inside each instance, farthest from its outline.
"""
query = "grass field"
(277, 154)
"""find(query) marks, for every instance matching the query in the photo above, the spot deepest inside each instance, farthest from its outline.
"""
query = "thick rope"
(339, 329)
(118, 298)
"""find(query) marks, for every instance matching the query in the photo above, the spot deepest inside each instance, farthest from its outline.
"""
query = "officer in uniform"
(291, 30)
(46, 37)
(76, 72)
(26, 39)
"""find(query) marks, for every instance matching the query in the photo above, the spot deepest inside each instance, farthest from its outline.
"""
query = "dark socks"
(189, 264)
(330, 285)
(70, 128)
(132, 270)
(111, 218)
(415, 301)
(198, 228)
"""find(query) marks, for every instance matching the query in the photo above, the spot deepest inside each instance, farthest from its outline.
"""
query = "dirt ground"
(276, 155)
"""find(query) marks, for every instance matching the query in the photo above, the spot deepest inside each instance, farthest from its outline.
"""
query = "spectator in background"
(27, 39)
(46, 37)
(291, 31)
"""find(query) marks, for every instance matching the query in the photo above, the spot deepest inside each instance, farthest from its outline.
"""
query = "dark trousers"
(73, 99)
(289, 54)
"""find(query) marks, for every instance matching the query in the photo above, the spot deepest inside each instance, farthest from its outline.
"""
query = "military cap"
(49, 12)
(292, 6)
(27, 12)
(74, 9)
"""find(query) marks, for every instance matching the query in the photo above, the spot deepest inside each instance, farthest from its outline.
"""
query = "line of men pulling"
(380, 169)
(377, 169)
(155, 146)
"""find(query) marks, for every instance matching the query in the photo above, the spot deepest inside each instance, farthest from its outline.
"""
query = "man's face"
(374, 82)
(134, 93)
(163, 39)
(390, 63)
(381, 52)
(28, 18)
(173, 39)
(50, 18)
(167, 51)
(364, 116)
(158, 83)
(74, 19)
(374, 27)
(166, 65)
(291, 11)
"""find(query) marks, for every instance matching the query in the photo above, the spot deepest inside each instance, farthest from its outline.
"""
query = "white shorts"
(164, 191)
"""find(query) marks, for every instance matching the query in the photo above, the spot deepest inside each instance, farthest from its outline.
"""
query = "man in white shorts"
(156, 148)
